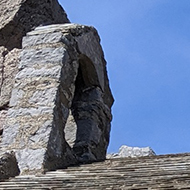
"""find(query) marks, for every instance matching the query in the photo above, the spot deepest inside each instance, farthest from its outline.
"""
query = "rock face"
(126, 151)
(61, 70)
(8, 166)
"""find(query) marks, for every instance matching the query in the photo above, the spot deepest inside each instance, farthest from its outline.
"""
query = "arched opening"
(85, 111)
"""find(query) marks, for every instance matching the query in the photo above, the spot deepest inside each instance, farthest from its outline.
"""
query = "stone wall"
(8, 166)
(61, 68)
(16, 19)
(56, 102)
(21, 16)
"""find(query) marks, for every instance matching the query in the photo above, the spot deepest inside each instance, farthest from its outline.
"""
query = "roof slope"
(152, 173)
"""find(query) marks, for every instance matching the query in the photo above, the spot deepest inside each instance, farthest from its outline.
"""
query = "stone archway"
(62, 68)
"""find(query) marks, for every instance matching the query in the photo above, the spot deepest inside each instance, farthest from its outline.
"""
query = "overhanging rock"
(62, 70)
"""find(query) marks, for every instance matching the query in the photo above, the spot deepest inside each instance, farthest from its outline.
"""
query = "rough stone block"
(70, 130)
(56, 77)
(126, 151)
(21, 16)
(8, 166)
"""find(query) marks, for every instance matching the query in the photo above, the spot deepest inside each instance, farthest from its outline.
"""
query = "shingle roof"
(152, 173)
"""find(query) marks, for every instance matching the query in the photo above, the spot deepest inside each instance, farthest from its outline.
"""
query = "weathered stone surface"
(8, 166)
(126, 151)
(163, 172)
(61, 73)
(70, 130)
(61, 70)
(3, 114)
(16, 19)
(3, 52)
(20, 16)
(8, 70)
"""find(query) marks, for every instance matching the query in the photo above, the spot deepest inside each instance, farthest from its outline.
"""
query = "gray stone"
(16, 19)
(8, 166)
(43, 56)
(70, 130)
(84, 44)
(3, 115)
(20, 16)
(55, 100)
(126, 151)
(30, 159)
(49, 71)
(10, 139)
(24, 112)
(44, 38)
(59, 72)
(8, 69)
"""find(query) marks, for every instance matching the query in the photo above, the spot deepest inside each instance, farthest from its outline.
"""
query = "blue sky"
(147, 48)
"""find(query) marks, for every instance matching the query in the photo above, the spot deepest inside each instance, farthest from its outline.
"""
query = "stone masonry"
(55, 100)
(16, 19)
(21, 16)
(61, 68)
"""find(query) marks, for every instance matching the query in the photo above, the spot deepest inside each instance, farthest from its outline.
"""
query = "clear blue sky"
(147, 48)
